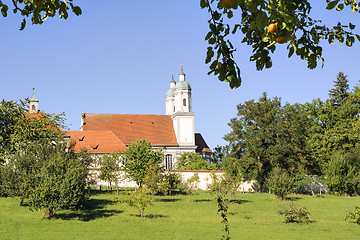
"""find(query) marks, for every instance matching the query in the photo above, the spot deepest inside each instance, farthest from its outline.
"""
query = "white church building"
(173, 132)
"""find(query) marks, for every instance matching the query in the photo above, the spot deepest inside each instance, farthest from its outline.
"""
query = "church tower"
(178, 105)
(33, 104)
(170, 97)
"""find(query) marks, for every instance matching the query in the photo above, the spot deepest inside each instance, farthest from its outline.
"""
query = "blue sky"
(118, 58)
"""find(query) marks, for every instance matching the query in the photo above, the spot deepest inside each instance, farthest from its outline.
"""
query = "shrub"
(140, 199)
(354, 216)
(295, 214)
(279, 182)
(342, 173)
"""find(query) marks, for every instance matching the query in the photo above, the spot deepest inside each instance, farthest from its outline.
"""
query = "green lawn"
(252, 216)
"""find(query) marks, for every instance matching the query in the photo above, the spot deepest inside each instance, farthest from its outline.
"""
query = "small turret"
(34, 104)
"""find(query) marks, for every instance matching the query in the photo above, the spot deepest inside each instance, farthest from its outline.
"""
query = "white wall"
(204, 175)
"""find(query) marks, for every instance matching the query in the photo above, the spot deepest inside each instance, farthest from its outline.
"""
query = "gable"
(157, 129)
(96, 141)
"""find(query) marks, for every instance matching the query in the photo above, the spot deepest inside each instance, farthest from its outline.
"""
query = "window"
(33, 108)
(168, 162)
(184, 102)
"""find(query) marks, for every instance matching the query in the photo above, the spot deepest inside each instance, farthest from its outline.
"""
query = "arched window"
(168, 162)
(33, 108)
(184, 102)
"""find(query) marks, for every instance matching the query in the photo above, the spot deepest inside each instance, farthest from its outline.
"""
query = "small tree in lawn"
(140, 199)
(153, 178)
(57, 180)
(138, 158)
(279, 182)
(109, 169)
(192, 184)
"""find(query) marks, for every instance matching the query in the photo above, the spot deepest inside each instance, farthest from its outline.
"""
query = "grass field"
(252, 216)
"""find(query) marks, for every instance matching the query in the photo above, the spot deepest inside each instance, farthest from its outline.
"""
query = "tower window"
(184, 102)
(33, 108)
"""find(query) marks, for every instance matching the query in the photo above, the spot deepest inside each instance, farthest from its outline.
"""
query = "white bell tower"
(183, 117)
(34, 104)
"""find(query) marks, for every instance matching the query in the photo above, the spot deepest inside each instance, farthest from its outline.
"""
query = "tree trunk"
(142, 214)
(117, 190)
(189, 198)
(21, 201)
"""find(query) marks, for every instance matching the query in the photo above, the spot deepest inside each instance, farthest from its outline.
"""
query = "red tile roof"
(200, 142)
(157, 129)
(96, 141)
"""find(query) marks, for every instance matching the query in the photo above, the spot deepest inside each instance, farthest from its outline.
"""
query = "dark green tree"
(137, 159)
(266, 135)
(343, 172)
(334, 122)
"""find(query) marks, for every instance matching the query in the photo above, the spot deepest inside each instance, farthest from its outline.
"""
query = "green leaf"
(4, 10)
(77, 10)
(358, 37)
(340, 7)
(351, 26)
(23, 24)
(332, 4)
(203, 4)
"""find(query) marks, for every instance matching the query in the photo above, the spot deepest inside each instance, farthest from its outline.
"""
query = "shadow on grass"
(151, 216)
(238, 201)
(93, 210)
(202, 200)
(292, 198)
(167, 200)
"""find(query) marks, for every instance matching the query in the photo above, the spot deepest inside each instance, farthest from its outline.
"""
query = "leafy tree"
(18, 130)
(39, 10)
(191, 185)
(140, 199)
(137, 159)
(109, 169)
(334, 124)
(266, 135)
(49, 175)
(343, 172)
(279, 182)
(193, 161)
(263, 25)
(295, 214)
(154, 179)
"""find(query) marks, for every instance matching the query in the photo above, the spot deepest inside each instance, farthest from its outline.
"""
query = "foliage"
(222, 210)
(354, 216)
(10, 113)
(251, 19)
(140, 199)
(279, 182)
(109, 169)
(334, 123)
(191, 184)
(169, 182)
(154, 178)
(39, 10)
(295, 214)
(137, 159)
(193, 161)
(225, 186)
(342, 173)
(266, 135)
(49, 175)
